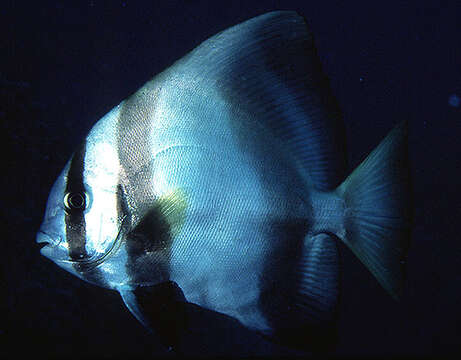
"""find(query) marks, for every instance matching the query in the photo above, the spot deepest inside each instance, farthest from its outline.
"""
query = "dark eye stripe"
(75, 219)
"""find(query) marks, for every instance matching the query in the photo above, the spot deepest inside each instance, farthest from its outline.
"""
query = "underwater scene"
(235, 179)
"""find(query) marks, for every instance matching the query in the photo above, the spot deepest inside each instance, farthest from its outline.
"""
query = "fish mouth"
(45, 239)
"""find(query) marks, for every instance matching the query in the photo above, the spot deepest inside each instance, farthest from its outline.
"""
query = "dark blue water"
(65, 64)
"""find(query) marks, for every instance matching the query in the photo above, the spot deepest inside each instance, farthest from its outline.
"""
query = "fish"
(223, 183)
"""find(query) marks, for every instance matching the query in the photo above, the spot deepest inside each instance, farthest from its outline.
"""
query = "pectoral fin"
(161, 309)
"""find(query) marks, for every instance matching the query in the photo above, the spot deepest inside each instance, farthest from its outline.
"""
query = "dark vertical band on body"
(149, 232)
(75, 218)
(75, 221)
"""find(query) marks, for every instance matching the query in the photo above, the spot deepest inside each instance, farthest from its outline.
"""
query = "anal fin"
(310, 323)
(317, 290)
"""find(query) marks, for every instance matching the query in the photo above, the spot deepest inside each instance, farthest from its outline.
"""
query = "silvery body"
(225, 174)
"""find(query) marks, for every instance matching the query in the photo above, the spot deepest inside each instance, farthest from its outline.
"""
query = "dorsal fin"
(268, 71)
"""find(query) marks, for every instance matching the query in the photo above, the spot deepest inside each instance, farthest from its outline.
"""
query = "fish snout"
(52, 240)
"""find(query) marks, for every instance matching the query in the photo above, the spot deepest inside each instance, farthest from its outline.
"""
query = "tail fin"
(378, 210)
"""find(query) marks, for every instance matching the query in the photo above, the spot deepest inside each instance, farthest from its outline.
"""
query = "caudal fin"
(378, 210)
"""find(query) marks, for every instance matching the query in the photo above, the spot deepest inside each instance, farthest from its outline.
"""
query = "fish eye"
(75, 201)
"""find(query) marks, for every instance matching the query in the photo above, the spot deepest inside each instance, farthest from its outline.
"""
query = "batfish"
(225, 177)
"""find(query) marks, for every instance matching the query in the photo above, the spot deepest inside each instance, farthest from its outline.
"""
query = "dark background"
(64, 64)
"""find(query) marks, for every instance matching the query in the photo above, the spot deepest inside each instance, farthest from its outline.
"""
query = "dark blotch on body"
(148, 247)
